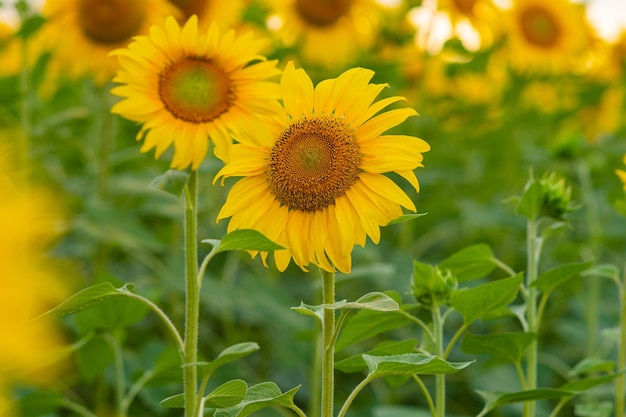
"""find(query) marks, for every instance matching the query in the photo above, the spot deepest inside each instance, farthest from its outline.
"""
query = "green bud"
(431, 285)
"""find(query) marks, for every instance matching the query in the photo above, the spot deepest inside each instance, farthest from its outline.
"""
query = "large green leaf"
(472, 262)
(230, 354)
(476, 302)
(226, 395)
(508, 346)
(387, 348)
(375, 301)
(558, 275)
(263, 395)
(368, 323)
(410, 364)
(243, 239)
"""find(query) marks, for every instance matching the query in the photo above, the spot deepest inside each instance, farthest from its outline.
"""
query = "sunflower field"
(312, 208)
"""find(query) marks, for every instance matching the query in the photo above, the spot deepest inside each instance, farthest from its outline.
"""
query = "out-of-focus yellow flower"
(188, 87)
(30, 221)
(329, 33)
(478, 16)
(547, 36)
(10, 51)
(81, 33)
(316, 183)
(224, 13)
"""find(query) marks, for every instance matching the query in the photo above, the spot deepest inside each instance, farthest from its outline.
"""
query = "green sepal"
(243, 239)
(407, 217)
(172, 182)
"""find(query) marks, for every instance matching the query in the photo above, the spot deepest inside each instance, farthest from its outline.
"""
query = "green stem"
(328, 354)
(192, 298)
(429, 400)
(592, 291)
(119, 374)
(77, 408)
(352, 396)
(620, 381)
(134, 390)
(25, 102)
(440, 379)
(532, 248)
(419, 322)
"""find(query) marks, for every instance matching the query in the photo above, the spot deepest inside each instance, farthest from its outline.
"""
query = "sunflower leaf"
(172, 181)
(226, 395)
(243, 239)
(230, 354)
(263, 395)
(411, 364)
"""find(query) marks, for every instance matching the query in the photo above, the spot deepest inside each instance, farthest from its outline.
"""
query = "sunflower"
(472, 16)
(330, 33)
(29, 220)
(315, 184)
(187, 87)
(547, 36)
(81, 33)
(225, 13)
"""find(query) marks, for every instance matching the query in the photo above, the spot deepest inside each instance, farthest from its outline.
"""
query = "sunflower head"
(188, 87)
(547, 36)
(316, 183)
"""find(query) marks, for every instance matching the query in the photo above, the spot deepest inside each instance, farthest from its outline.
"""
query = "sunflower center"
(323, 12)
(539, 27)
(110, 21)
(190, 7)
(313, 162)
(195, 90)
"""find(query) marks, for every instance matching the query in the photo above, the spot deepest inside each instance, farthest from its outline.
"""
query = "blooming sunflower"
(315, 184)
(479, 16)
(81, 33)
(547, 36)
(225, 13)
(186, 87)
(348, 25)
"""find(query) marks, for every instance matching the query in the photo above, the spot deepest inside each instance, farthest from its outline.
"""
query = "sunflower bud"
(548, 197)
(431, 285)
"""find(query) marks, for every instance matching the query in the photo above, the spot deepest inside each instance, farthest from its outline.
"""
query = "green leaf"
(410, 364)
(230, 354)
(227, 395)
(243, 239)
(369, 323)
(472, 262)
(31, 25)
(590, 382)
(603, 270)
(375, 301)
(508, 346)
(172, 182)
(530, 204)
(175, 401)
(387, 348)
(407, 217)
(497, 399)
(84, 299)
(263, 395)
(558, 275)
(476, 302)
(588, 365)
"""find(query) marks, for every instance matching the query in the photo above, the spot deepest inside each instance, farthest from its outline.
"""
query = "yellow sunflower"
(315, 184)
(187, 87)
(30, 220)
(225, 13)
(330, 33)
(547, 36)
(81, 33)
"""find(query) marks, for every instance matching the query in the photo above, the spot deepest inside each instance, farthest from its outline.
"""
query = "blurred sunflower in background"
(224, 13)
(31, 221)
(315, 184)
(81, 33)
(547, 36)
(329, 33)
(187, 87)
(475, 22)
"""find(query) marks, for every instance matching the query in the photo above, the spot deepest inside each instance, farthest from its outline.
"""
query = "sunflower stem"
(192, 296)
(328, 354)
(620, 381)
(533, 246)
(440, 379)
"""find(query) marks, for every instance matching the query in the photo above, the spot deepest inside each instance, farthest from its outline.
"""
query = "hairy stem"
(328, 349)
